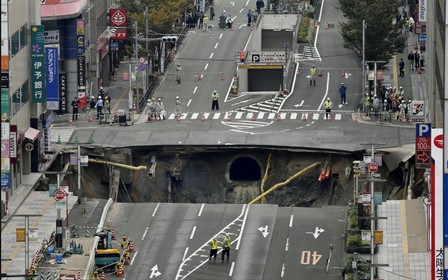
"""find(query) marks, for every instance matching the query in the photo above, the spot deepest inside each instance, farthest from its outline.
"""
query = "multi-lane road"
(268, 242)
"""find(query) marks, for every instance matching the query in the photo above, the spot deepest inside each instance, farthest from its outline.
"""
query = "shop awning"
(31, 134)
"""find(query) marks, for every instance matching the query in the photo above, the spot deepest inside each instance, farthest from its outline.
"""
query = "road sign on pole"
(423, 146)
(59, 195)
(373, 167)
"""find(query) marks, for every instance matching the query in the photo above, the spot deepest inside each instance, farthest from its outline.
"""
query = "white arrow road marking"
(155, 272)
(300, 104)
(264, 231)
(232, 3)
(347, 75)
(316, 233)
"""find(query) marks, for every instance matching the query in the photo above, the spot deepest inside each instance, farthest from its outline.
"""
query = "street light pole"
(146, 30)
(372, 216)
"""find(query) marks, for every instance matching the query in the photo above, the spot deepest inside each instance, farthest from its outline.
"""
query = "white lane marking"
(247, 2)
(220, 35)
(283, 270)
(133, 258)
(192, 232)
(231, 269)
(196, 88)
(185, 254)
(242, 228)
(216, 45)
(326, 92)
(241, 10)
(206, 66)
(291, 219)
(287, 244)
(211, 55)
(318, 26)
(241, 26)
(144, 234)
(200, 210)
(189, 102)
(155, 210)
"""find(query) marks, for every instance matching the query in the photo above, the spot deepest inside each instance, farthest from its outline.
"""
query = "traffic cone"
(404, 119)
(178, 117)
(298, 72)
(203, 118)
(153, 118)
(330, 118)
(79, 276)
(279, 117)
(59, 139)
(70, 120)
(131, 246)
(126, 258)
(90, 118)
(229, 117)
(355, 118)
(319, 72)
(222, 76)
(254, 117)
(120, 272)
(343, 73)
(113, 235)
(103, 276)
(304, 118)
(200, 77)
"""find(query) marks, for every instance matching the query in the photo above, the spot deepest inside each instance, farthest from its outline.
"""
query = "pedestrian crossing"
(258, 116)
(265, 106)
(309, 53)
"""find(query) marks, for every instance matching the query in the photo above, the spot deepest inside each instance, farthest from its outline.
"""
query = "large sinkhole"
(244, 169)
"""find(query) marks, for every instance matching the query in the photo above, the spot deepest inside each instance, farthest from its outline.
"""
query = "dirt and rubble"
(229, 175)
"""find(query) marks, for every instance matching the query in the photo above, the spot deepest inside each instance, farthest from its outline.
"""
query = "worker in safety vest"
(226, 248)
(313, 75)
(328, 105)
(213, 249)
(215, 100)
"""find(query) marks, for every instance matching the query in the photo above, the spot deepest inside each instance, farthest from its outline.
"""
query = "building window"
(18, 40)
(19, 98)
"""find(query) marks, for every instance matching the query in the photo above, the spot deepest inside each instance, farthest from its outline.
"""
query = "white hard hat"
(314, 66)
(99, 97)
(328, 98)
(159, 98)
(401, 87)
(93, 97)
(214, 91)
(177, 97)
(375, 95)
(342, 83)
(101, 87)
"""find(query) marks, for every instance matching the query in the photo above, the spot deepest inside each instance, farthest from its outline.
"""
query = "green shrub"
(354, 240)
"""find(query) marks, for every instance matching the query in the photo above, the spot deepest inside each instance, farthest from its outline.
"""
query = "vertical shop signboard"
(52, 77)
(37, 64)
(82, 81)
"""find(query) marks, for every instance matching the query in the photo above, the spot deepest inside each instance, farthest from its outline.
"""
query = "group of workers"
(102, 102)
(156, 109)
(226, 244)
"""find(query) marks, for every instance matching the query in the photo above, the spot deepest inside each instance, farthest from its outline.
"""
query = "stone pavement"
(405, 241)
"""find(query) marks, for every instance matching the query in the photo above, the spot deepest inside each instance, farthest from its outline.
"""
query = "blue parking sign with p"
(423, 129)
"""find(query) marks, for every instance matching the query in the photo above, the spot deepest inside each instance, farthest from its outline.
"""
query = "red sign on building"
(119, 34)
(118, 18)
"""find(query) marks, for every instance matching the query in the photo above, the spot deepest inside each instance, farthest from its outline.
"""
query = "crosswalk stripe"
(293, 116)
(304, 116)
(282, 116)
(183, 116)
(206, 115)
(260, 115)
(315, 116)
(216, 116)
(338, 117)
(249, 115)
(238, 115)
(194, 116)
(271, 116)
(172, 116)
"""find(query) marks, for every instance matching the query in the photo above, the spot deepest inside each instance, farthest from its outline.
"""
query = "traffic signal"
(169, 39)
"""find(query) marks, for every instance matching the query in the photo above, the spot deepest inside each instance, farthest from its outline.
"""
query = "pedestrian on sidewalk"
(313, 75)
(92, 103)
(250, 17)
(213, 249)
(342, 93)
(212, 12)
(260, 5)
(376, 104)
(226, 248)
(107, 100)
(401, 64)
(411, 60)
(215, 100)
(101, 93)
(161, 114)
(411, 23)
(422, 60)
(75, 104)
(417, 59)
(328, 105)
(99, 107)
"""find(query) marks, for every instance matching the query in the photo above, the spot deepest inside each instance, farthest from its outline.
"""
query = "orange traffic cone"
(90, 118)
(229, 117)
(120, 272)
(279, 117)
(113, 235)
(103, 276)
(153, 118)
(79, 276)
(304, 119)
(222, 76)
(330, 118)
(343, 73)
(200, 77)
(70, 120)
(254, 117)
(131, 246)
(298, 72)
(355, 118)
(319, 72)
(203, 118)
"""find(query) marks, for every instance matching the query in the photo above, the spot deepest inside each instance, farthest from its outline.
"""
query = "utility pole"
(372, 213)
(146, 30)
(137, 99)
(364, 26)
(374, 73)
(27, 238)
